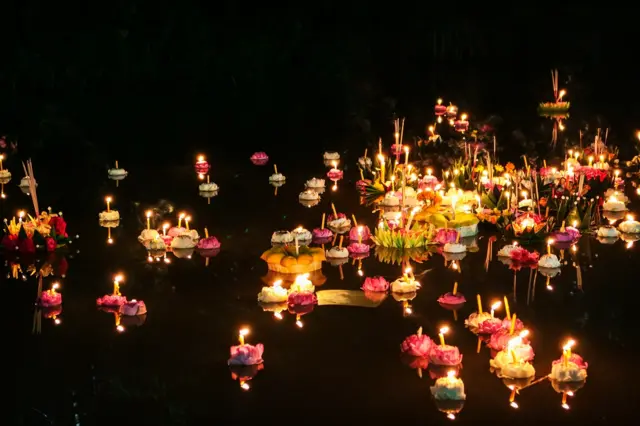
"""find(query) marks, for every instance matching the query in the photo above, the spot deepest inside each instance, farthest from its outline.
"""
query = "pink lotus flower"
(428, 182)
(322, 233)
(418, 345)
(506, 324)
(489, 326)
(246, 354)
(260, 156)
(445, 355)
(210, 243)
(576, 359)
(174, 231)
(446, 235)
(522, 256)
(302, 298)
(335, 174)
(133, 307)
(452, 299)
(111, 300)
(357, 248)
(202, 167)
(26, 246)
(501, 338)
(361, 230)
(375, 284)
(49, 299)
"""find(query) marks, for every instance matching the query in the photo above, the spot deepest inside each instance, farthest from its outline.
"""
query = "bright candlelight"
(439, 101)
(406, 155)
(1, 158)
(164, 229)
(382, 174)
(524, 194)
(443, 331)
(54, 287)
(495, 307)
(566, 351)
(479, 303)
(359, 234)
(116, 284)
(200, 158)
(108, 200)
(590, 160)
(187, 219)
(182, 215)
(549, 242)
(148, 214)
(242, 334)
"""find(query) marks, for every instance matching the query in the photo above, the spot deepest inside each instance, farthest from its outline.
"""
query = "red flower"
(58, 223)
(26, 246)
(10, 242)
(51, 244)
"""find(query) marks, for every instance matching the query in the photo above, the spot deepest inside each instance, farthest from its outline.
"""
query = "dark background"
(158, 80)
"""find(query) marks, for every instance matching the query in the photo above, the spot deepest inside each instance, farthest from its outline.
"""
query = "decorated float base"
(295, 269)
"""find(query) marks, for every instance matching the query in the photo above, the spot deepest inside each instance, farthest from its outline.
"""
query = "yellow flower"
(498, 168)
(479, 168)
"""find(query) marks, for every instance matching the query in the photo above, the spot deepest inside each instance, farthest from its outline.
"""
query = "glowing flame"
(444, 330)
(200, 158)
(299, 324)
(245, 386)
(514, 404)
(120, 329)
(277, 283)
(451, 374)
(244, 332)
(463, 117)
(118, 278)
(571, 343)
(439, 101)
(57, 321)
(277, 315)
(524, 333)
(496, 306)
(451, 416)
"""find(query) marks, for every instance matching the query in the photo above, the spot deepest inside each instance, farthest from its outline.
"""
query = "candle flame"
(277, 283)
(571, 343)
(408, 310)
(562, 93)
(277, 315)
(334, 164)
(245, 386)
(108, 199)
(299, 324)
(165, 226)
(444, 330)
(55, 286)
(182, 215)
(431, 129)
(408, 270)
(496, 305)
(451, 416)
(120, 329)
(118, 278)
(381, 158)
(463, 117)
(629, 217)
(451, 374)
(244, 332)
(550, 241)
(439, 101)
(200, 157)
(524, 333)
(148, 213)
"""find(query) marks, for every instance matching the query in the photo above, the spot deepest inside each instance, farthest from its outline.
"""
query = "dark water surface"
(342, 367)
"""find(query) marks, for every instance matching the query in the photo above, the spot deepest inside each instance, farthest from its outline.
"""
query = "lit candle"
(495, 307)
(186, 221)
(443, 331)
(108, 200)
(359, 234)
(506, 307)
(524, 194)
(549, 242)
(406, 155)
(116, 284)
(148, 219)
(479, 303)
(382, 171)
(566, 351)
(164, 229)
(241, 335)
(54, 287)
(1, 158)
(182, 215)
(602, 159)
(20, 216)
(590, 160)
